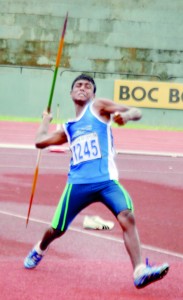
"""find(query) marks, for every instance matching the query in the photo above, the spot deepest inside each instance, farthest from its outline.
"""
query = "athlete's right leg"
(66, 211)
(36, 254)
(49, 236)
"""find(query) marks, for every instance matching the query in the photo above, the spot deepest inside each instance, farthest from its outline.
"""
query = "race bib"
(85, 147)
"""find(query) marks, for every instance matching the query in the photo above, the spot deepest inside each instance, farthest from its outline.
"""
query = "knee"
(126, 219)
(56, 233)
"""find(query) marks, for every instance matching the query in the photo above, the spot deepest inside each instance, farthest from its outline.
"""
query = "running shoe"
(95, 222)
(150, 274)
(32, 259)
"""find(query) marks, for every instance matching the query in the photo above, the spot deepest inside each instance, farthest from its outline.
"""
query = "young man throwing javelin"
(93, 175)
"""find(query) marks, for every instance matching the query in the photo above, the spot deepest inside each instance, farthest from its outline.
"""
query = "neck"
(79, 106)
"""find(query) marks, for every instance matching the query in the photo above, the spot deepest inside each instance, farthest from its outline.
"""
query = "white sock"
(138, 270)
(38, 249)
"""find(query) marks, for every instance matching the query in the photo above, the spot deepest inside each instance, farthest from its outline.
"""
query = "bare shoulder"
(102, 102)
(100, 106)
(108, 106)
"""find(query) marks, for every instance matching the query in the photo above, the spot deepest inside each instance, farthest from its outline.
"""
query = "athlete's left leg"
(126, 220)
(119, 202)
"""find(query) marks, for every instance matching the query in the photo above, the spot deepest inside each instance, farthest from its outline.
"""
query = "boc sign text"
(149, 94)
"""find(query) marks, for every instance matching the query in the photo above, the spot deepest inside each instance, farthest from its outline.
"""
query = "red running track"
(88, 264)
(125, 139)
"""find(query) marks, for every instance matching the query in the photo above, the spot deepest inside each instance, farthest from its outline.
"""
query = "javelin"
(59, 54)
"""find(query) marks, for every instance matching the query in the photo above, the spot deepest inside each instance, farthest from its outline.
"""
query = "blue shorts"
(78, 196)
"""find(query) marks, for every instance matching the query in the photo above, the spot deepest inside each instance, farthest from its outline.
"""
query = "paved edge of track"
(118, 151)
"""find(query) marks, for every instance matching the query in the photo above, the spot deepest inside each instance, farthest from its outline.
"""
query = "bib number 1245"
(85, 148)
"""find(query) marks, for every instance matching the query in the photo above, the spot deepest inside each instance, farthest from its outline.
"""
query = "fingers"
(119, 118)
(132, 114)
(47, 115)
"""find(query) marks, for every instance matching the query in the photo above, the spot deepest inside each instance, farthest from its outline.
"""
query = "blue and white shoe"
(32, 259)
(150, 274)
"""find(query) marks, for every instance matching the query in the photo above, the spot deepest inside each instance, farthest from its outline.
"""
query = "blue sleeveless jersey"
(91, 143)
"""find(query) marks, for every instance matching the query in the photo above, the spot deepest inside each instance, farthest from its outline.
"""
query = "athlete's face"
(83, 90)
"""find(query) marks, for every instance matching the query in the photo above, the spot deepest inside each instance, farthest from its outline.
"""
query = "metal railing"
(95, 73)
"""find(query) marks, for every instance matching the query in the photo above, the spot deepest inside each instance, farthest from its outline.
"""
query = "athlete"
(93, 175)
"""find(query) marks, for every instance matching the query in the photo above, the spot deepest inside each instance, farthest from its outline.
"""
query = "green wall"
(25, 93)
(135, 39)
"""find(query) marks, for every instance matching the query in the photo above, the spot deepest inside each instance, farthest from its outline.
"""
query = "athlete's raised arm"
(121, 113)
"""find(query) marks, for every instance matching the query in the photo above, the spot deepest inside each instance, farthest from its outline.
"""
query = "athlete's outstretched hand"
(121, 118)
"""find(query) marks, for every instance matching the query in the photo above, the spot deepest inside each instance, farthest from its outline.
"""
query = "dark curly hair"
(85, 77)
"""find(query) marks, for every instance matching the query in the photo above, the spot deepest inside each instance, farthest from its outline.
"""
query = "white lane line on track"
(51, 168)
(98, 235)
(147, 152)
(59, 168)
(30, 147)
(17, 146)
(119, 151)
